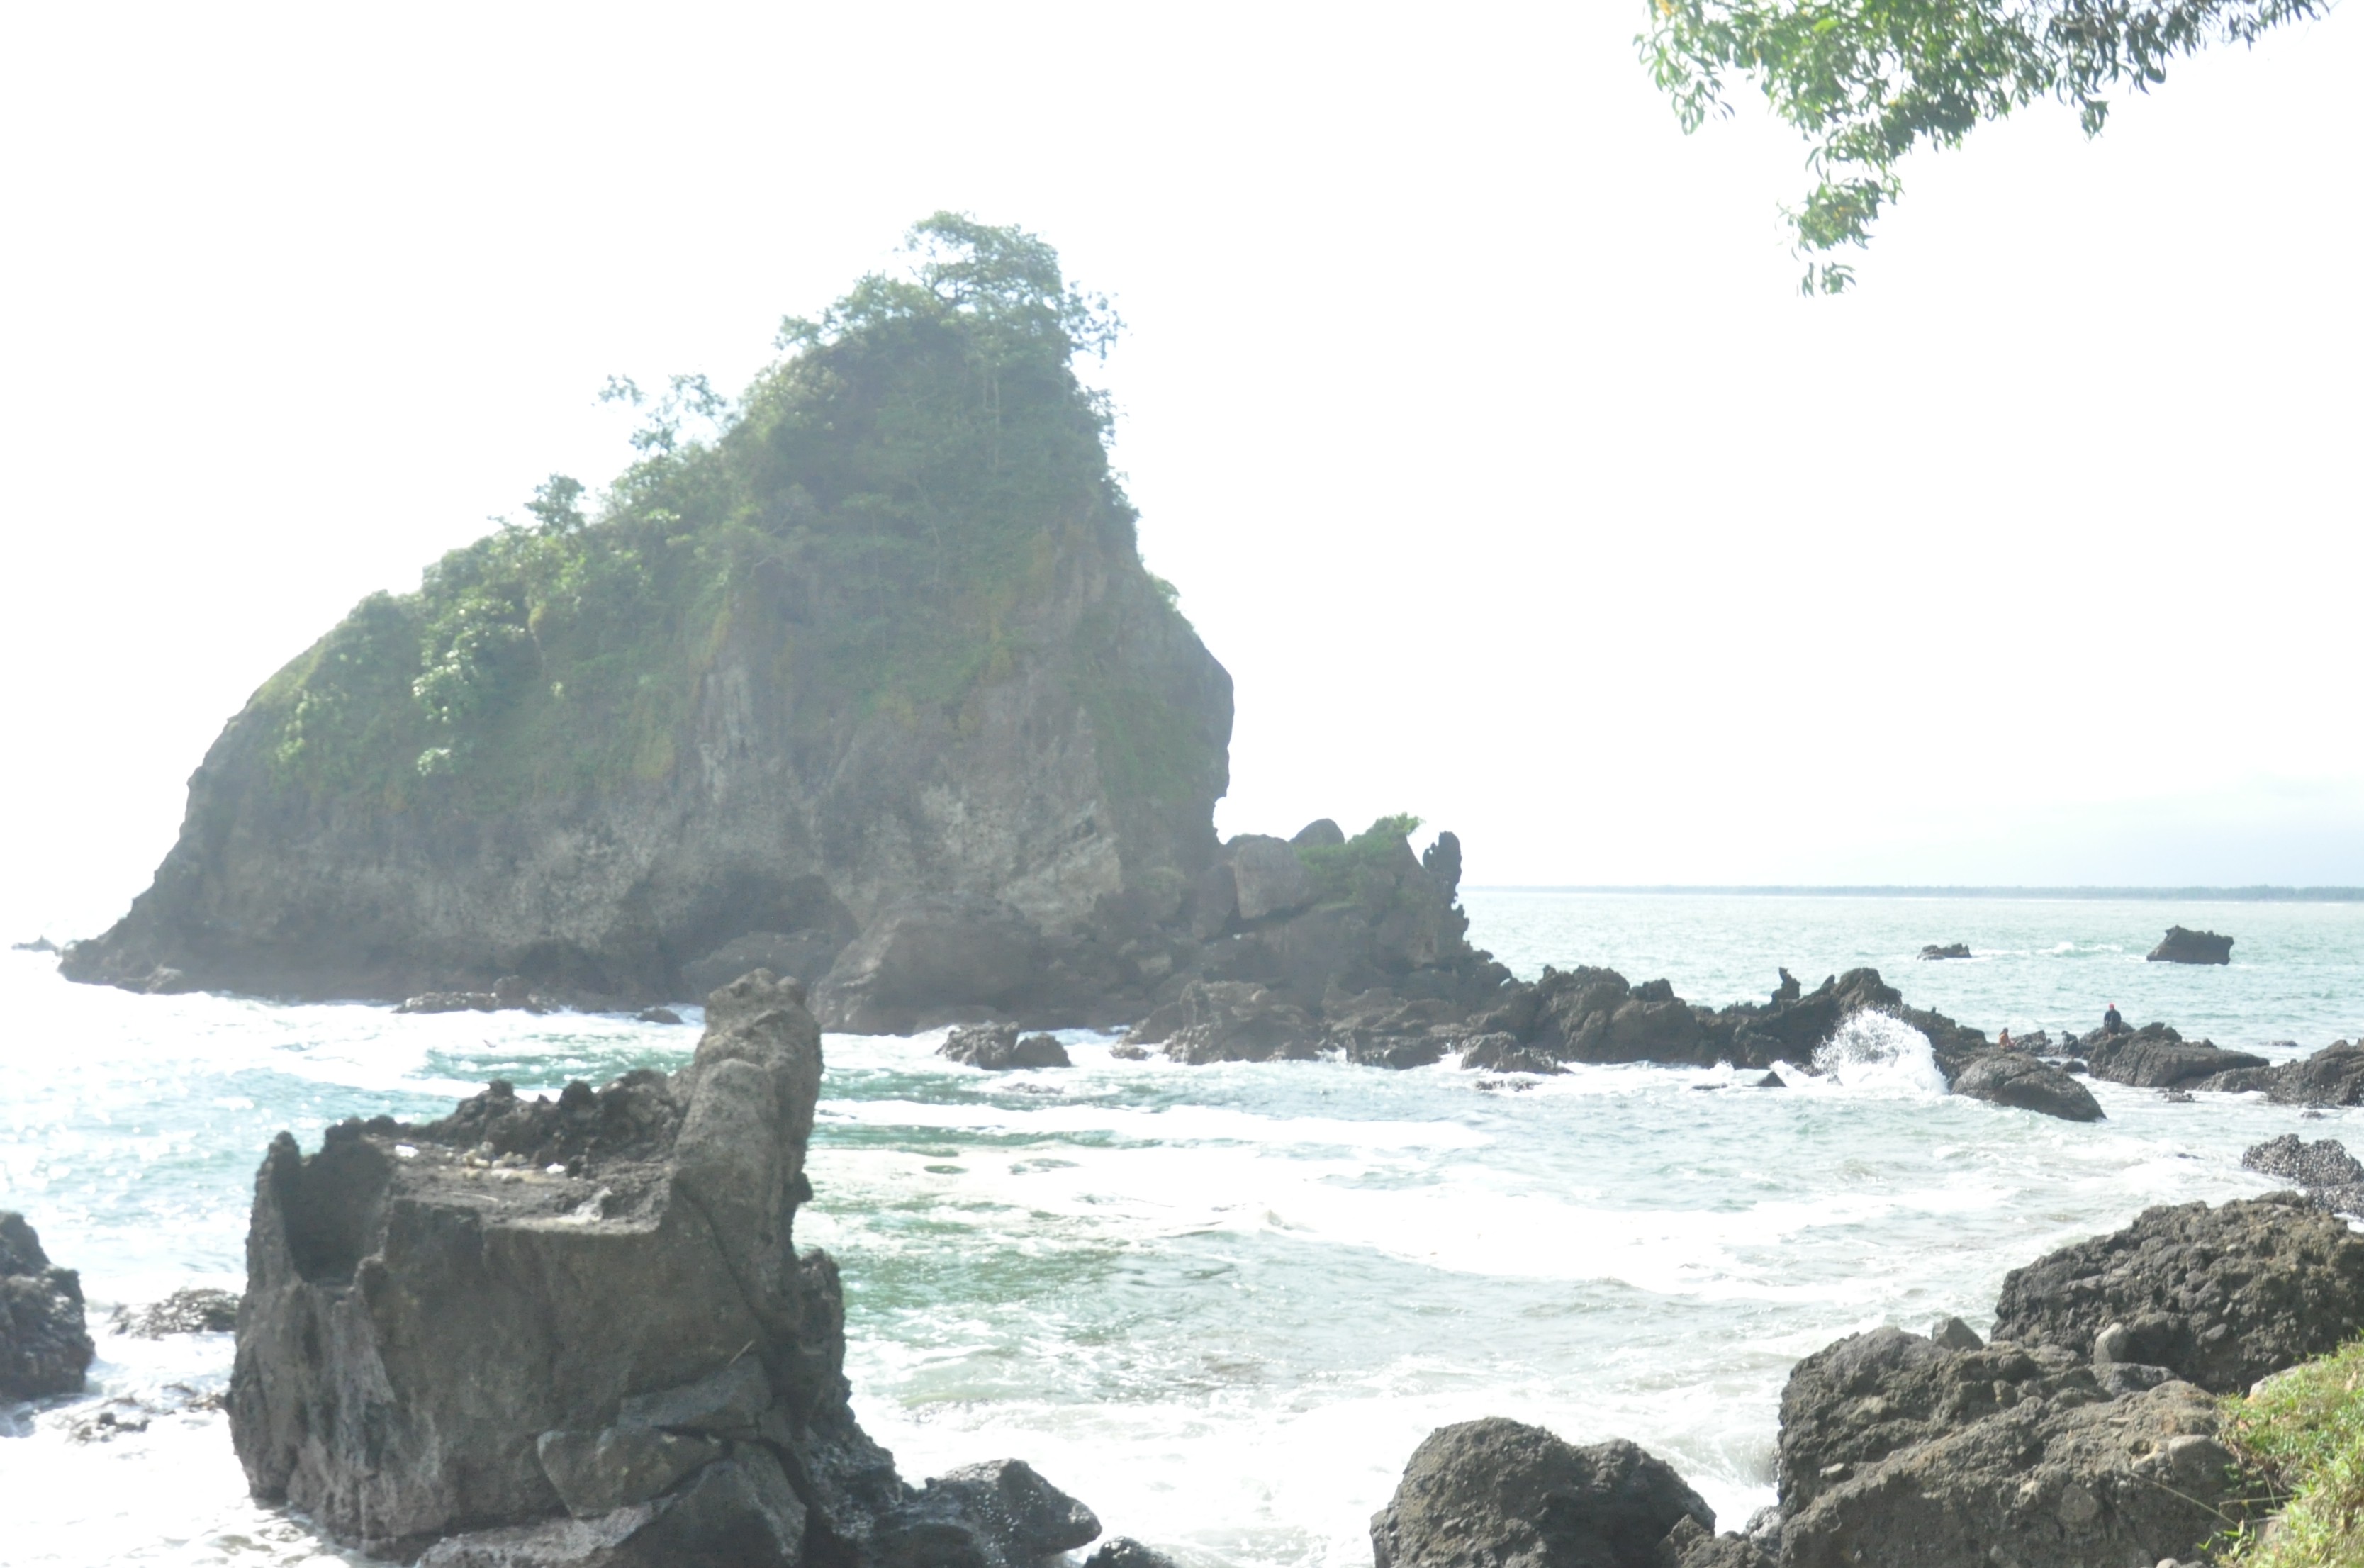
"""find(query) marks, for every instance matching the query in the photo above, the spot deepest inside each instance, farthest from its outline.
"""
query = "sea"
(1223, 1304)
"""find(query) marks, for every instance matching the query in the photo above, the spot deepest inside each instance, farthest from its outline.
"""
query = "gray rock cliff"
(579, 1332)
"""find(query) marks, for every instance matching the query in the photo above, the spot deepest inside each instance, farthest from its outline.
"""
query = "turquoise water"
(1223, 1304)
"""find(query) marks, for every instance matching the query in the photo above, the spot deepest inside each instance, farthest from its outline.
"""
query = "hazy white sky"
(1469, 404)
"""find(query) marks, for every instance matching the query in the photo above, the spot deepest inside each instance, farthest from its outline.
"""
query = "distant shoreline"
(2259, 894)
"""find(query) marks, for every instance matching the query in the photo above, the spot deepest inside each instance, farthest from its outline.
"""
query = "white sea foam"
(1223, 1304)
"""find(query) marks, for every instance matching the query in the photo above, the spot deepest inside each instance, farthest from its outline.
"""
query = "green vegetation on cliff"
(898, 489)
(2304, 1431)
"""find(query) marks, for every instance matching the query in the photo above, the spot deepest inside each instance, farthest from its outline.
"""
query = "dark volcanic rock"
(1503, 1053)
(2014, 1078)
(1854, 1403)
(590, 1306)
(1229, 1020)
(2055, 1481)
(923, 956)
(2156, 1057)
(2325, 1170)
(2332, 1076)
(2179, 946)
(44, 1346)
(999, 1048)
(1123, 1551)
(194, 1310)
(1495, 1493)
(2221, 1296)
(1951, 949)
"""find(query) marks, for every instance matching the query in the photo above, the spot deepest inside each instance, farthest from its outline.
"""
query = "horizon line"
(2255, 893)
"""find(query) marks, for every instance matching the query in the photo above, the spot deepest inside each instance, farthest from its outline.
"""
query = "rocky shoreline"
(2087, 1429)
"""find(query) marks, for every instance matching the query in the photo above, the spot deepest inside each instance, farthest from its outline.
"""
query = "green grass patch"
(2304, 1434)
(1381, 847)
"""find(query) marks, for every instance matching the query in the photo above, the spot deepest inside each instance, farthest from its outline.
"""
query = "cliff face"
(885, 635)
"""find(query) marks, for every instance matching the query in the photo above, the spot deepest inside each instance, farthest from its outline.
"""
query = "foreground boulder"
(578, 1332)
(2218, 1296)
(1498, 1494)
(2181, 946)
(45, 1347)
(2088, 1431)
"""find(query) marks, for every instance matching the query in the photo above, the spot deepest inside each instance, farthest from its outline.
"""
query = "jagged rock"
(999, 1048)
(2180, 946)
(191, 1310)
(593, 1304)
(1228, 1020)
(2057, 1481)
(39, 944)
(2332, 1076)
(2014, 1078)
(44, 1345)
(1379, 1029)
(1503, 1053)
(2156, 1057)
(1270, 876)
(805, 955)
(2323, 1170)
(1498, 1494)
(1951, 949)
(2221, 1296)
(924, 956)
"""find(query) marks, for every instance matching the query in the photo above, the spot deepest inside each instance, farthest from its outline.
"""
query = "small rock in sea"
(1498, 1491)
(2181, 946)
(2176, 1097)
(998, 1048)
(1771, 1081)
(191, 1310)
(656, 1015)
(39, 944)
(1124, 1052)
(44, 1344)
(1951, 949)
(1507, 1085)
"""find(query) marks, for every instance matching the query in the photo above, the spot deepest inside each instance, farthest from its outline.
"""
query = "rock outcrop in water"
(877, 668)
(579, 1332)
(45, 1346)
(2330, 1176)
(2181, 946)
(2087, 1431)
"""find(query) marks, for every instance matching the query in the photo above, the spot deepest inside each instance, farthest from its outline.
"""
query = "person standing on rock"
(2002, 1042)
(2112, 1023)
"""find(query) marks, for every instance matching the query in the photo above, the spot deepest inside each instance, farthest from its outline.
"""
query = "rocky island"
(874, 665)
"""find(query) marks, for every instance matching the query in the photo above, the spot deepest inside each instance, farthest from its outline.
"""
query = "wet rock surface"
(1950, 949)
(2156, 1057)
(2020, 1079)
(194, 1310)
(1498, 1494)
(577, 1331)
(2181, 946)
(45, 1346)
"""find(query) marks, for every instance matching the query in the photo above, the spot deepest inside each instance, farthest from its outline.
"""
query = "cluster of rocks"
(577, 1333)
(509, 993)
(2085, 1430)
(2330, 1176)
(2156, 1057)
(1950, 949)
(999, 1048)
(45, 1346)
